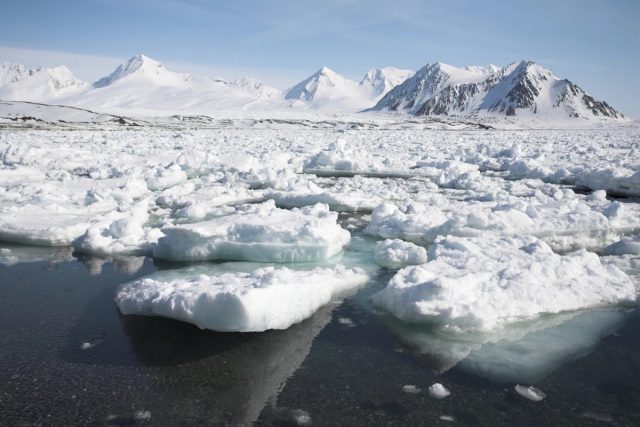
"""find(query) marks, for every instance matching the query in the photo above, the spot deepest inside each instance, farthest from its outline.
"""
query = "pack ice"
(260, 232)
(267, 298)
(486, 283)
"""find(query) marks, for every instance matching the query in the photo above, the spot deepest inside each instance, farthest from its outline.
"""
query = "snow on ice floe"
(396, 253)
(486, 283)
(267, 298)
(259, 232)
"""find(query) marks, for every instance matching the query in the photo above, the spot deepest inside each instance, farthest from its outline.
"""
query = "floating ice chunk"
(394, 254)
(449, 418)
(345, 321)
(268, 298)
(626, 245)
(486, 283)
(301, 418)
(531, 393)
(411, 389)
(258, 233)
(438, 391)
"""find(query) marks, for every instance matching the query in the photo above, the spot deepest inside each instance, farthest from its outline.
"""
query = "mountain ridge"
(522, 88)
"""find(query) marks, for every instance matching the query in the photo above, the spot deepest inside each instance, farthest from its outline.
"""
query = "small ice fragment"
(142, 415)
(346, 322)
(412, 389)
(530, 393)
(438, 391)
(599, 416)
(449, 418)
(301, 417)
(87, 345)
(303, 420)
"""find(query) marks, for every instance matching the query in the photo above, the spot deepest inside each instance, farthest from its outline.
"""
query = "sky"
(594, 43)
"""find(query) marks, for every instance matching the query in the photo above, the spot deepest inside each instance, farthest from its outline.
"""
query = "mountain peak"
(521, 88)
(11, 72)
(326, 71)
(141, 65)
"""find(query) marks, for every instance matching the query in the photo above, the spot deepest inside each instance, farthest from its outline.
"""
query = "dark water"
(343, 366)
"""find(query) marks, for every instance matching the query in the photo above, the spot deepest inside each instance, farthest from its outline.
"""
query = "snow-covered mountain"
(143, 86)
(10, 72)
(519, 89)
(382, 80)
(140, 84)
(326, 89)
(38, 84)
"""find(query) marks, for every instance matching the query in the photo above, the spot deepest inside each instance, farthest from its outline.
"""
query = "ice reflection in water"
(218, 377)
(522, 353)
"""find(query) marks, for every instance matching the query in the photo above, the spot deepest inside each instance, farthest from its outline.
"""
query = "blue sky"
(594, 43)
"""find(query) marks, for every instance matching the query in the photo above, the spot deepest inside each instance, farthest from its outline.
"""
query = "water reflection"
(220, 377)
(522, 353)
(12, 254)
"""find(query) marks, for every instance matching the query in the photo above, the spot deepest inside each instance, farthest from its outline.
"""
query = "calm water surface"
(67, 357)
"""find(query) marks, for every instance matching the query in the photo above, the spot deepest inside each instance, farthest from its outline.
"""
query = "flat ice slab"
(258, 233)
(268, 298)
(480, 284)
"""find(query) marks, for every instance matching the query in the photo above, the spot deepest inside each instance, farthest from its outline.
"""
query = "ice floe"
(486, 283)
(267, 298)
(259, 232)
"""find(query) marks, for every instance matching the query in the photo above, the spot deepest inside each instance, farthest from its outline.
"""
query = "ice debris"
(438, 391)
(531, 393)
(411, 389)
